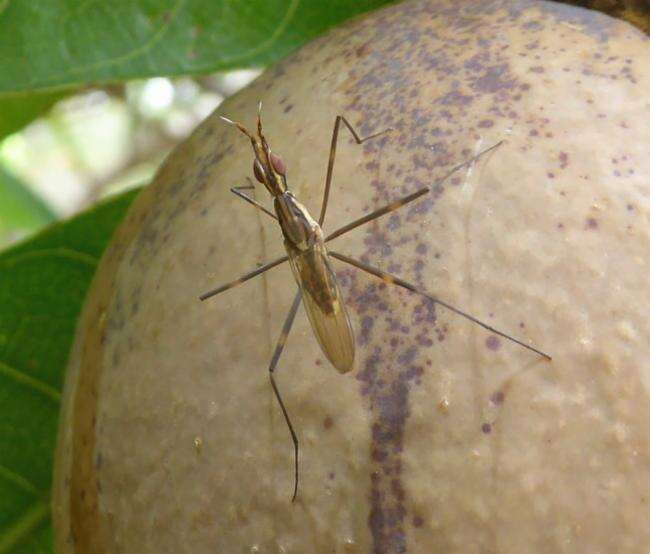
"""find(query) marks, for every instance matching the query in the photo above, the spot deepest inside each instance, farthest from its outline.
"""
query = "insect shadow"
(309, 258)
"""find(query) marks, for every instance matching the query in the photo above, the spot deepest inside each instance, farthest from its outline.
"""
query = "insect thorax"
(299, 228)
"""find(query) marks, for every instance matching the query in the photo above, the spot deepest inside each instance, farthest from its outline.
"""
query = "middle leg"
(238, 192)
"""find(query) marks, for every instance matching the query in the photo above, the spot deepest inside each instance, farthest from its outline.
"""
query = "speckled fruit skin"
(443, 438)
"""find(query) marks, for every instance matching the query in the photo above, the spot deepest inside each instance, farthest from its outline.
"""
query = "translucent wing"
(324, 305)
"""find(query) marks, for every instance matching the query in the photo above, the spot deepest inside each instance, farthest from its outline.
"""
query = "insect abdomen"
(324, 304)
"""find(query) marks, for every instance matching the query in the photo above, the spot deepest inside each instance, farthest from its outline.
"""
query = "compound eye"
(278, 165)
(258, 171)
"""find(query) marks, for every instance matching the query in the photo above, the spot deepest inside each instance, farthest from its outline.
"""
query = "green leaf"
(18, 110)
(70, 43)
(21, 211)
(43, 283)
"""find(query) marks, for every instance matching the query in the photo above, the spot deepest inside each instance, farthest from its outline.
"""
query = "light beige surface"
(171, 440)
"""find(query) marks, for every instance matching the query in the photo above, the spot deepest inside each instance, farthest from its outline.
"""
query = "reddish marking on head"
(328, 422)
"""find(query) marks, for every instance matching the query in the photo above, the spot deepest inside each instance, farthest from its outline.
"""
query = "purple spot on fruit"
(486, 428)
(407, 356)
(592, 223)
(485, 124)
(495, 78)
(366, 327)
(363, 50)
(493, 343)
(497, 397)
(550, 175)
(455, 98)
(564, 159)
(379, 455)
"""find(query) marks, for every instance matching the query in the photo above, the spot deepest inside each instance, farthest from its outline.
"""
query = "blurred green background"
(100, 141)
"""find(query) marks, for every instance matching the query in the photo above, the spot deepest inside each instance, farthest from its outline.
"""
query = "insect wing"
(324, 305)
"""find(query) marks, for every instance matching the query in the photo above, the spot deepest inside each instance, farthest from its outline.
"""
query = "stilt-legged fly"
(305, 244)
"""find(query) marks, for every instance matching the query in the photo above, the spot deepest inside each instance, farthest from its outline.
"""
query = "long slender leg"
(392, 279)
(243, 278)
(377, 213)
(250, 200)
(288, 322)
(406, 199)
(330, 163)
(467, 162)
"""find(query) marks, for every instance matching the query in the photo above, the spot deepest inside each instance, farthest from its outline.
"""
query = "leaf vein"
(54, 252)
(18, 480)
(282, 26)
(141, 50)
(31, 382)
(22, 528)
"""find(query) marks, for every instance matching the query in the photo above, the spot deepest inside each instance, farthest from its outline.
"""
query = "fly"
(310, 260)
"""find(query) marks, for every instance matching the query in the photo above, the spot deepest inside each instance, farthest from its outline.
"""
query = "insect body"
(305, 244)
(324, 304)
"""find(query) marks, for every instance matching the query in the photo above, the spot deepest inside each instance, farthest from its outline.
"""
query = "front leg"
(237, 191)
